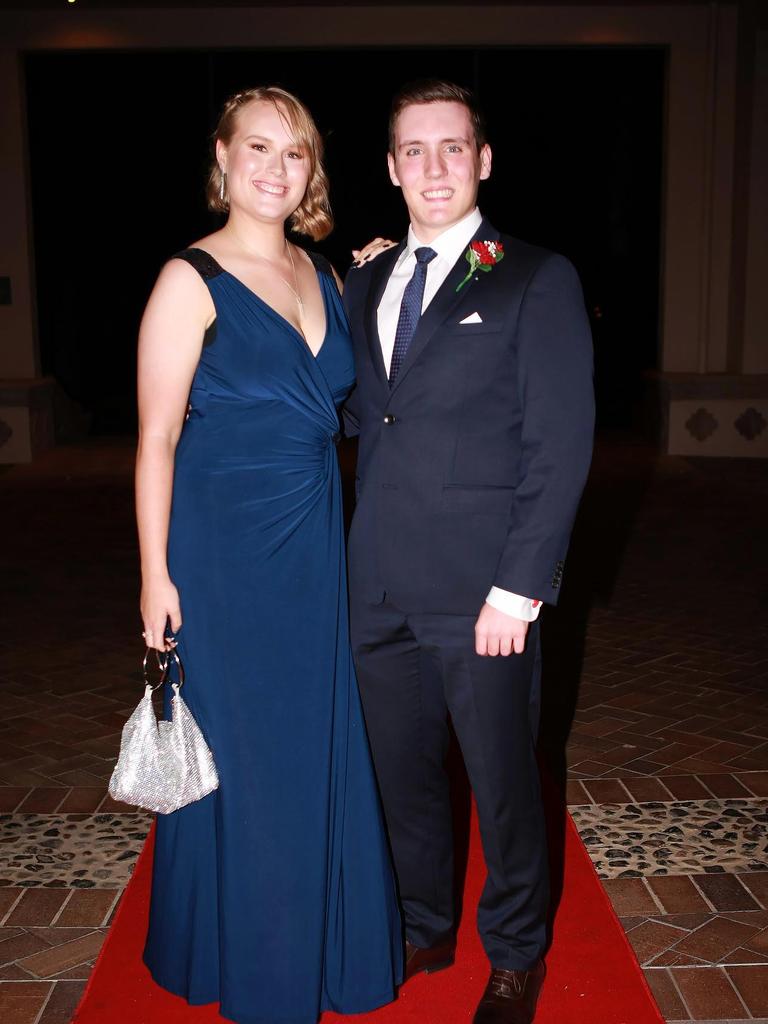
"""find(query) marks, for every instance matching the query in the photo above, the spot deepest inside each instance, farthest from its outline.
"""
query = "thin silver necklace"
(295, 291)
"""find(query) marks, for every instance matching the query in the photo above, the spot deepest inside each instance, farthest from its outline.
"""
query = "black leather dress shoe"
(436, 958)
(510, 996)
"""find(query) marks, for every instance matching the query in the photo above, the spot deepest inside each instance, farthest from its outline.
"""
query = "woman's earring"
(222, 185)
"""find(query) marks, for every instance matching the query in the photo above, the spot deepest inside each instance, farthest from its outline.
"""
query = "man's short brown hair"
(435, 90)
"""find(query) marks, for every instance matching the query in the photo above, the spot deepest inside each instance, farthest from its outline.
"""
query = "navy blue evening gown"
(274, 895)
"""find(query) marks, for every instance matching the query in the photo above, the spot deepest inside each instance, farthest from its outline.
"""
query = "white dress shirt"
(449, 246)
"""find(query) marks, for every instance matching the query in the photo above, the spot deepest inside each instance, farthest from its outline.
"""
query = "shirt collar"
(451, 243)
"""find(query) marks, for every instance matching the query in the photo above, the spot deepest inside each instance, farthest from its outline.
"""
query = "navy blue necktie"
(410, 310)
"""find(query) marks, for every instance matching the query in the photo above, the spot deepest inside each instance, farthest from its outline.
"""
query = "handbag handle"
(164, 661)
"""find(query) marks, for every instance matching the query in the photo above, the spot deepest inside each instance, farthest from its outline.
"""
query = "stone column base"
(713, 414)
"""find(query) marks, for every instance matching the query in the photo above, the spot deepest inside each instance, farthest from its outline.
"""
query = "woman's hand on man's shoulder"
(371, 250)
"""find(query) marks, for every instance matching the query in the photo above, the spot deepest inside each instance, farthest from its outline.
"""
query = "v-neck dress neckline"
(278, 316)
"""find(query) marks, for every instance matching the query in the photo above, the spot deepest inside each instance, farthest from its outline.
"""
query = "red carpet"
(593, 977)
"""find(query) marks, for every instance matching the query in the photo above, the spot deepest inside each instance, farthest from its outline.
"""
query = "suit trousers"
(414, 671)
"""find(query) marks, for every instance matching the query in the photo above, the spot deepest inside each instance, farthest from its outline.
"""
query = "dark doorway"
(119, 149)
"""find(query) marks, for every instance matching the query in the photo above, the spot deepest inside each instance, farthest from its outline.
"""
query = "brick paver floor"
(656, 707)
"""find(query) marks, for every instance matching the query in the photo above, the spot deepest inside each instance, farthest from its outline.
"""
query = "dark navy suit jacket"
(471, 467)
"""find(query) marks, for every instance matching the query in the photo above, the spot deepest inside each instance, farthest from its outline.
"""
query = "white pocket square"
(473, 318)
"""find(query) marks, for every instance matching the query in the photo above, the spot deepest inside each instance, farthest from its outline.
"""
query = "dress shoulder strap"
(322, 265)
(320, 262)
(202, 261)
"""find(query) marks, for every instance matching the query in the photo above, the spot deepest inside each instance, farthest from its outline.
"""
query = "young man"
(475, 413)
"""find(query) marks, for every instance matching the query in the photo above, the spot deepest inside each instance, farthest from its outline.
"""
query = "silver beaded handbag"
(167, 765)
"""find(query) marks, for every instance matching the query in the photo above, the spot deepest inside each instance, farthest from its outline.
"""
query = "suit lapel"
(380, 272)
(443, 303)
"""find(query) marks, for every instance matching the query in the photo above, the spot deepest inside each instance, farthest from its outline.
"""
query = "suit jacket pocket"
(458, 330)
(489, 500)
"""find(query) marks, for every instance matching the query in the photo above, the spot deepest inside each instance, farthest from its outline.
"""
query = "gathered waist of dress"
(204, 403)
(265, 430)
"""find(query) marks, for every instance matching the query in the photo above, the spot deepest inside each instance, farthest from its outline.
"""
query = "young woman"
(274, 895)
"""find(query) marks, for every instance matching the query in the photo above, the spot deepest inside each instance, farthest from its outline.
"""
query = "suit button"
(389, 419)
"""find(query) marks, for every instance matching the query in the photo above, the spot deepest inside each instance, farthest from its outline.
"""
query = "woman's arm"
(170, 342)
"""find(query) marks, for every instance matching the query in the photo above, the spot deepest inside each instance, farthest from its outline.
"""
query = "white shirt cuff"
(513, 604)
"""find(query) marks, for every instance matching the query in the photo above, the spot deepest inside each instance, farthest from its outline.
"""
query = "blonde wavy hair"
(313, 216)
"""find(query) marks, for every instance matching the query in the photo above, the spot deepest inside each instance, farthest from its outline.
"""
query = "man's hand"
(497, 633)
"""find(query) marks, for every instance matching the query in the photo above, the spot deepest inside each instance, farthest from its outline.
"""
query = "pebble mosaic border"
(97, 851)
(684, 837)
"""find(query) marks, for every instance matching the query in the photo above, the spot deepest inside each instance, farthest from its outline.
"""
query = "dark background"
(120, 144)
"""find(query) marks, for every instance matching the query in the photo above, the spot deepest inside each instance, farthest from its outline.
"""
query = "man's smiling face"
(437, 165)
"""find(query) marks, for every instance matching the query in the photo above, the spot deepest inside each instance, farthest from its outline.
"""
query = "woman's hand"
(371, 251)
(159, 605)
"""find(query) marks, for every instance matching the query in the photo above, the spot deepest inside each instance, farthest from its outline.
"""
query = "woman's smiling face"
(267, 172)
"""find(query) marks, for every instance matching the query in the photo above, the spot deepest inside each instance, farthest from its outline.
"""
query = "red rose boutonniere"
(482, 256)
